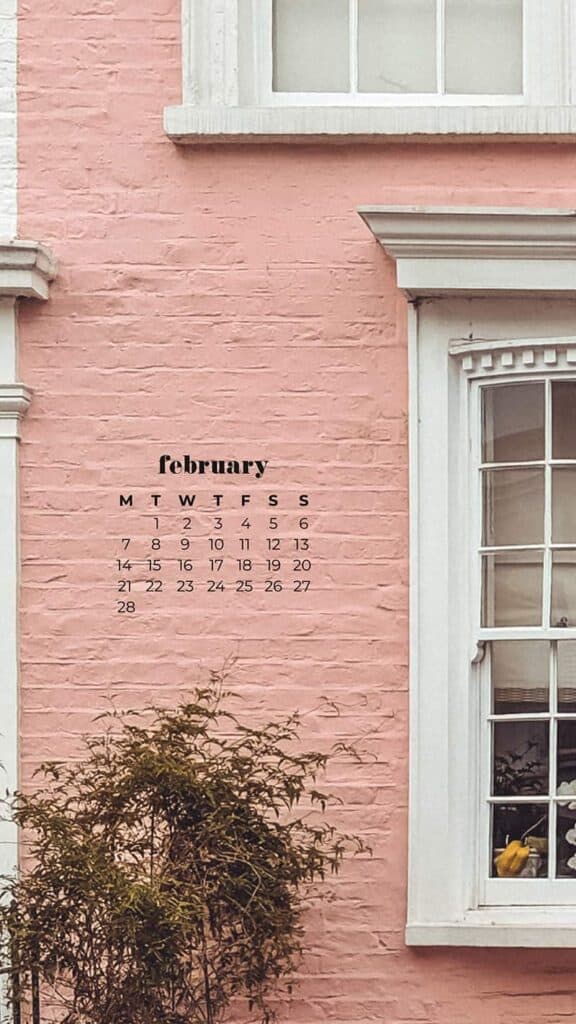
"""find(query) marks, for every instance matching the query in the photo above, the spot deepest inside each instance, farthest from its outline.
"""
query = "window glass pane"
(567, 676)
(484, 46)
(513, 423)
(567, 757)
(563, 588)
(564, 506)
(512, 589)
(311, 46)
(566, 842)
(566, 827)
(564, 420)
(520, 759)
(397, 45)
(513, 507)
(520, 674)
(520, 822)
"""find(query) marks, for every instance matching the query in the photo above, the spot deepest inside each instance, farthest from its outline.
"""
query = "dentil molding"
(477, 250)
(486, 358)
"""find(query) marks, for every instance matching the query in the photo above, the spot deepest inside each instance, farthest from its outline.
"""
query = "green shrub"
(170, 867)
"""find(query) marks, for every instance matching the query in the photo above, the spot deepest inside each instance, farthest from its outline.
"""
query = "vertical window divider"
(440, 47)
(553, 760)
(547, 567)
(354, 20)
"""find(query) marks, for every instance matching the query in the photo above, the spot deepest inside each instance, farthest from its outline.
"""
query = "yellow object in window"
(512, 860)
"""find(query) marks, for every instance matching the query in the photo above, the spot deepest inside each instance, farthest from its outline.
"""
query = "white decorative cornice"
(477, 251)
(14, 402)
(26, 269)
(487, 358)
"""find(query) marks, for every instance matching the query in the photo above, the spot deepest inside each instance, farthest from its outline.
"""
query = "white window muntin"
(519, 892)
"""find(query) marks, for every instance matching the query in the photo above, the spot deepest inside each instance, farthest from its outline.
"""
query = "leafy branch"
(171, 866)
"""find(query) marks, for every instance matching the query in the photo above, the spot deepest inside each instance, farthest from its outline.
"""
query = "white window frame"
(485, 272)
(227, 86)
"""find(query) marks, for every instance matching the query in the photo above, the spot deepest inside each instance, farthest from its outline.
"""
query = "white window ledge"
(551, 930)
(191, 124)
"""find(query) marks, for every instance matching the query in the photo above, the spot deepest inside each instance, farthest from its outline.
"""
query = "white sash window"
(261, 69)
(492, 343)
(524, 516)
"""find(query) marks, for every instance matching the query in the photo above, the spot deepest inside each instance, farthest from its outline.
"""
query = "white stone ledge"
(529, 933)
(26, 269)
(194, 124)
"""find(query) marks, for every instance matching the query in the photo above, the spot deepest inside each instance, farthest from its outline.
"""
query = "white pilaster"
(13, 403)
(26, 269)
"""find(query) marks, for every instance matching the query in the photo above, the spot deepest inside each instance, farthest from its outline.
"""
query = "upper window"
(262, 69)
(431, 47)
(528, 483)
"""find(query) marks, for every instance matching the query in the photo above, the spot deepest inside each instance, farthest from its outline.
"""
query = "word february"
(219, 467)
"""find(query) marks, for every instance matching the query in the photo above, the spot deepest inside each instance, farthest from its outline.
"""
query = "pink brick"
(228, 294)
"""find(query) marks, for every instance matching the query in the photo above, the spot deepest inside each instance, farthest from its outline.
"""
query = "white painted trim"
(453, 340)
(227, 89)
(189, 124)
(13, 402)
(549, 931)
(445, 895)
(477, 251)
(487, 358)
(26, 269)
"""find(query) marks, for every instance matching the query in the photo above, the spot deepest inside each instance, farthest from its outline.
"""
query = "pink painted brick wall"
(231, 297)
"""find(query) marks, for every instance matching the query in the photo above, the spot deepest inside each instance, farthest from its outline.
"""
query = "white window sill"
(545, 928)
(190, 124)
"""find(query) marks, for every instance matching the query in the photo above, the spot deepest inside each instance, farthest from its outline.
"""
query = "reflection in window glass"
(566, 752)
(512, 588)
(567, 676)
(563, 588)
(564, 420)
(520, 674)
(397, 45)
(311, 46)
(484, 46)
(566, 842)
(564, 505)
(566, 772)
(513, 507)
(513, 423)
(520, 766)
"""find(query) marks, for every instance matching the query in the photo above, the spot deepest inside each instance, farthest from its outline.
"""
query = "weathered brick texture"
(229, 300)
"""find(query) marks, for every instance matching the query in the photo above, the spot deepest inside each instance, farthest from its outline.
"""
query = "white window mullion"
(485, 753)
(354, 45)
(553, 760)
(441, 46)
(547, 578)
